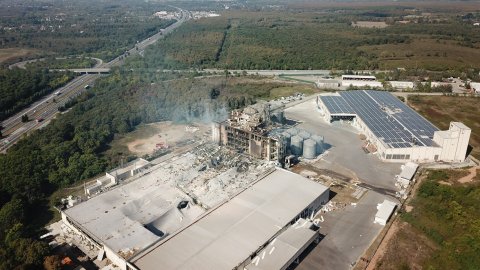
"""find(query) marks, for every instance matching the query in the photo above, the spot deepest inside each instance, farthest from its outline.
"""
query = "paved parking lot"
(348, 233)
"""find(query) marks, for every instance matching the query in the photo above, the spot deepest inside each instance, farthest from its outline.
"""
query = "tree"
(52, 263)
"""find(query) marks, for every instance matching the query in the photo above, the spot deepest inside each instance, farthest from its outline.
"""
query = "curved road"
(42, 111)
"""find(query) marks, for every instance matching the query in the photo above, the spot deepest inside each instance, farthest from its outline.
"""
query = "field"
(441, 110)
(429, 53)
(369, 24)
(439, 227)
(12, 54)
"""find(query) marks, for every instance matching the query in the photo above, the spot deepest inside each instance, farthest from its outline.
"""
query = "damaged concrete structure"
(247, 132)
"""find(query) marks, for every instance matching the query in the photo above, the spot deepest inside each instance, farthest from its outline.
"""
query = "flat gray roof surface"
(385, 209)
(117, 217)
(228, 235)
(284, 247)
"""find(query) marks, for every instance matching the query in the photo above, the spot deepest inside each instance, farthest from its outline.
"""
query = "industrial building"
(384, 212)
(123, 219)
(260, 133)
(113, 177)
(263, 227)
(401, 85)
(247, 131)
(394, 131)
(209, 186)
(360, 81)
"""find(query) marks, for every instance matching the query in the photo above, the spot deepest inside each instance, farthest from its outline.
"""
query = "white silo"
(319, 140)
(288, 138)
(309, 149)
(304, 134)
(296, 145)
(292, 131)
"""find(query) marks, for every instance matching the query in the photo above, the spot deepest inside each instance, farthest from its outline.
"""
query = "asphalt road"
(45, 109)
(348, 233)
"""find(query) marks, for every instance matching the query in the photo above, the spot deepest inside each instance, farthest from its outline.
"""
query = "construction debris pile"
(211, 174)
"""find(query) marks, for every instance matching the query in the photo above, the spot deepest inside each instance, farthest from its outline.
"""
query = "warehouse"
(395, 131)
(360, 81)
(120, 221)
(238, 233)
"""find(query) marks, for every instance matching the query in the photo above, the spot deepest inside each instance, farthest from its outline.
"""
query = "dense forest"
(103, 29)
(21, 87)
(313, 40)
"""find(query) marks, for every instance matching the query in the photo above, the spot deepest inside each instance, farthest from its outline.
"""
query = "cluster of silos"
(302, 143)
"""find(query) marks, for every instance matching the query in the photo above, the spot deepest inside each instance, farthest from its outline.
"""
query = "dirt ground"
(415, 247)
(11, 53)
(148, 138)
(473, 172)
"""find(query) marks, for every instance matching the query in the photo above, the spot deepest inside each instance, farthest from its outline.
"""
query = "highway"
(41, 112)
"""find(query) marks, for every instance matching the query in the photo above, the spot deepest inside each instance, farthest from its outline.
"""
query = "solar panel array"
(388, 118)
(337, 105)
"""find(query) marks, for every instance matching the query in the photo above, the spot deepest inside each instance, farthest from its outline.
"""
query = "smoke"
(203, 111)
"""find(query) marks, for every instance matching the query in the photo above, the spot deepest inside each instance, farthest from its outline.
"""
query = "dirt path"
(469, 178)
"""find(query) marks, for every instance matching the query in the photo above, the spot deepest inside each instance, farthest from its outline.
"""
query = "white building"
(401, 85)
(360, 81)
(398, 133)
(475, 86)
(268, 215)
(328, 83)
(407, 174)
(453, 142)
(141, 225)
(384, 212)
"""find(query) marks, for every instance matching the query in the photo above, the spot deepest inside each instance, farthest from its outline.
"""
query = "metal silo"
(309, 149)
(292, 131)
(296, 145)
(288, 138)
(319, 140)
(304, 134)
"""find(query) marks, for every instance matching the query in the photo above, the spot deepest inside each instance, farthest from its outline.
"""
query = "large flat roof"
(285, 247)
(129, 218)
(226, 236)
(393, 122)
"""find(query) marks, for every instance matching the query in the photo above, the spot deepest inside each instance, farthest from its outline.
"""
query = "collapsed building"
(208, 195)
(262, 133)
